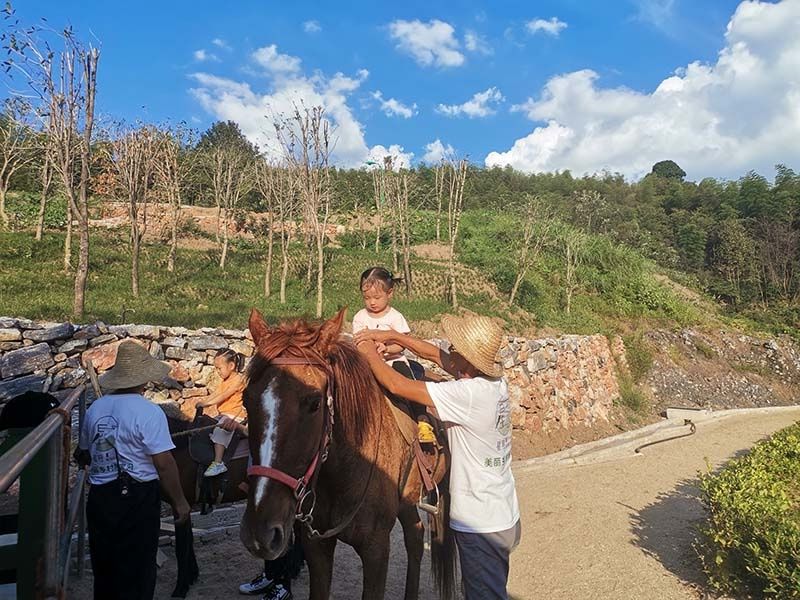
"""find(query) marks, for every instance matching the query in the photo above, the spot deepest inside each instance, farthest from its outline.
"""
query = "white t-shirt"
(393, 319)
(477, 415)
(133, 425)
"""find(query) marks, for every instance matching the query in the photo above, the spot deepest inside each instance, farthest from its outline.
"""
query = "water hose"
(689, 422)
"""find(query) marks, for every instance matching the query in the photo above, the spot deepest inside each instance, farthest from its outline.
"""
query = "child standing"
(377, 289)
(228, 400)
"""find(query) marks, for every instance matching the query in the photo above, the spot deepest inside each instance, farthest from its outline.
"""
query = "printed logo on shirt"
(102, 448)
(502, 418)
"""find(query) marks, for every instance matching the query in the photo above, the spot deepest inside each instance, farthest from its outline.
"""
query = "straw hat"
(134, 367)
(477, 339)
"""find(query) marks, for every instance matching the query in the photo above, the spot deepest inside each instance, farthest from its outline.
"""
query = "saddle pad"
(405, 421)
(242, 449)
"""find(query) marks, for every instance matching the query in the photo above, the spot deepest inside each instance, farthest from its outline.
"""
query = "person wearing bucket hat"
(484, 510)
(129, 453)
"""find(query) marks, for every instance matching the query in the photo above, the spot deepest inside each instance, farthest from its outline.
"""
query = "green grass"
(33, 285)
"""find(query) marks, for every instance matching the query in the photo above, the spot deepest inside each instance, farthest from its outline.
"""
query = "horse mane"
(355, 391)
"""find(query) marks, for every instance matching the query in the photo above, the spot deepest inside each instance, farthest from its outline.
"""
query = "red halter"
(304, 486)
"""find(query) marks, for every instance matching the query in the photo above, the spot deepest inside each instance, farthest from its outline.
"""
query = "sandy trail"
(617, 530)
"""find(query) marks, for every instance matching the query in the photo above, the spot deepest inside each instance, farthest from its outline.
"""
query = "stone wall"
(553, 383)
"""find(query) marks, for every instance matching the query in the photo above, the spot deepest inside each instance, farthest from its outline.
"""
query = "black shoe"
(258, 585)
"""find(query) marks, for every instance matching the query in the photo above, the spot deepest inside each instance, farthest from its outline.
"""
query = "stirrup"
(423, 504)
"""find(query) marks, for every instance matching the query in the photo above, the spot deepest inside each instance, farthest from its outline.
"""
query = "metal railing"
(44, 539)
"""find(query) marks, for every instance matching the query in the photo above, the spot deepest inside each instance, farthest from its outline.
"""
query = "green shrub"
(23, 208)
(630, 396)
(751, 541)
(639, 353)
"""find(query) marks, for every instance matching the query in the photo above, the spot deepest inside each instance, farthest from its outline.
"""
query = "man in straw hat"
(484, 512)
(128, 441)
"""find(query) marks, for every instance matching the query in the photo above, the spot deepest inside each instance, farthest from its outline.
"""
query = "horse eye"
(313, 403)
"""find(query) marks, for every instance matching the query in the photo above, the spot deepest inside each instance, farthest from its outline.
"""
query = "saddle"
(427, 463)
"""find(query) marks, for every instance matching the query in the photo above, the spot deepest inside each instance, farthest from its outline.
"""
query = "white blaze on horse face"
(266, 451)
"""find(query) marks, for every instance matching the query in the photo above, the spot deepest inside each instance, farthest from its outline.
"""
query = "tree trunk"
(40, 219)
(136, 240)
(268, 272)
(68, 239)
(453, 290)
(407, 268)
(136, 248)
(82, 274)
(320, 271)
(284, 264)
(3, 215)
(173, 243)
(224, 256)
(517, 281)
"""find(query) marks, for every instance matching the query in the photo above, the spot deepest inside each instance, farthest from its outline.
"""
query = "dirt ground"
(618, 530)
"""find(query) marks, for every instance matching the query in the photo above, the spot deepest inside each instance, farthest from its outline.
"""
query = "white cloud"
(477, 106)
(255, 111)
(312, 27)
(553, 26)
(275, 62)
(431, 44)
(436, 151)
(392, 107)
(203, 56)
(655, 12)
(476, 43)
(220, 43)
(400, 158)
(740, 113)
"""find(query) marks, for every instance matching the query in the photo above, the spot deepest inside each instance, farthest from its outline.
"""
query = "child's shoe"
(278, 592)
(257, 585)
(214, 469)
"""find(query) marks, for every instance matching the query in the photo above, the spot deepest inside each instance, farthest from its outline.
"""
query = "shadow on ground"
(667, 530)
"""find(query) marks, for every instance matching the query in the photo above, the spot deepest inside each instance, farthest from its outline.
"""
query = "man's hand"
(367, 346)
(181, 511)
(373, 335)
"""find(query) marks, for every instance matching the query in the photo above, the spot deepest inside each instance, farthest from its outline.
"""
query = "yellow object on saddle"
(425, 433)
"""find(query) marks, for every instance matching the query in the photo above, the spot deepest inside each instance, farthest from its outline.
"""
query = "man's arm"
(170, 482)
(394, 382)
(421, 348)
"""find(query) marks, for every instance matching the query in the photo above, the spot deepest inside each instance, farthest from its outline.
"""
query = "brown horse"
(327, 451)
(198, 491)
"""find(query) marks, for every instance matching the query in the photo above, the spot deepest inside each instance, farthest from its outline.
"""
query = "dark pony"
(368, 480)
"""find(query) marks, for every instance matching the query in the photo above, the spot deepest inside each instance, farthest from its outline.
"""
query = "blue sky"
(197, 61)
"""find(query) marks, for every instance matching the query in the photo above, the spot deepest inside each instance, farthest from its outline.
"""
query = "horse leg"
(319, 556)
(414, 537)
(374, 553)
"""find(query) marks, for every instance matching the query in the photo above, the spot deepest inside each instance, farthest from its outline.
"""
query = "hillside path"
(624, 529)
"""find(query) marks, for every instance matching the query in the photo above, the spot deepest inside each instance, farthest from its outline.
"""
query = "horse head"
(287, 400)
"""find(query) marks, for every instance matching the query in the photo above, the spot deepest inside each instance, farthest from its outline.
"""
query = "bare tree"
(379, 196)
(286, 203)
(572, 244)
(229, 168)
(173, 166)
(305, 138)
(399, 188)
(456, 176)
(439, 173)
(535, 232)
(46, 176)
(17, 146)
(133, 156)
(268, 179)
(64, 83)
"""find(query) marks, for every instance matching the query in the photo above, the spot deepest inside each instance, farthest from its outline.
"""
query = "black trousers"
(123, 540)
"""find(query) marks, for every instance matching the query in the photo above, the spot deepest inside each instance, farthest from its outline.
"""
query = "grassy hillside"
(616, 286)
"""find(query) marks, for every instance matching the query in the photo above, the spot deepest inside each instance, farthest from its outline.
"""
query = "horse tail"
(443, 545)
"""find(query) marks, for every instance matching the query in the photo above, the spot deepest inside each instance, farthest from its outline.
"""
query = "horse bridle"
(304, 487)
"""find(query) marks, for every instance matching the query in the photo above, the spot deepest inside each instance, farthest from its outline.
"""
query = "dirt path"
(624, 529)
(616, 530)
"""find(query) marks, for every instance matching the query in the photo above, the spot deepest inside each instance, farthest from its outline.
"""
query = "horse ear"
(258, 327)
(330, 330)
